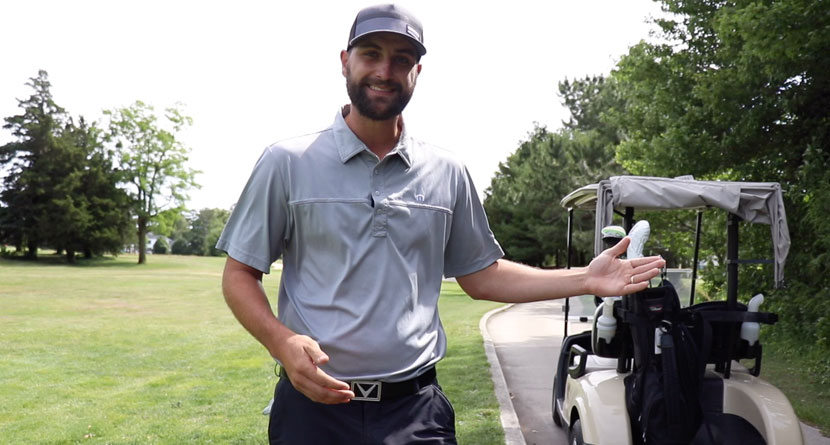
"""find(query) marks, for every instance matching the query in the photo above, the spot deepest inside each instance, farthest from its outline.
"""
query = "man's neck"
(379, 136)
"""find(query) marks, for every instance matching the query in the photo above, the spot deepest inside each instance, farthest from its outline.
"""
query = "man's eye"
(404, 61)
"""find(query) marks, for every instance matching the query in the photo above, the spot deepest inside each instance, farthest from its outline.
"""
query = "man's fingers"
(302, 359)
(643, 276)
(619, 248)
(324, 380)
(634, 288)
(648, 262)
(331, 391)
(317, 375)
(648, 270)
(318, 357)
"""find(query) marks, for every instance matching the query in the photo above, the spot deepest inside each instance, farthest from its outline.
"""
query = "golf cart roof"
(755, 202)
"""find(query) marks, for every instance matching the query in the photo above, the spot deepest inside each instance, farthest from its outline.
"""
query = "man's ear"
(344, 59)
(417, 74)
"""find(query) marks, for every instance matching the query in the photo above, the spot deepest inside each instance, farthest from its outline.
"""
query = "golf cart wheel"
(575, 435)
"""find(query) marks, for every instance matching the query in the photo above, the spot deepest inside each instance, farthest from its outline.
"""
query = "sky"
(251, 73)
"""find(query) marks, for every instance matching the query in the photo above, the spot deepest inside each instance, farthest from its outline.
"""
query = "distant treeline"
(75, 186)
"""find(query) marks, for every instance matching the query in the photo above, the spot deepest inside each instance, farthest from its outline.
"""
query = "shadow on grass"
(60, 260)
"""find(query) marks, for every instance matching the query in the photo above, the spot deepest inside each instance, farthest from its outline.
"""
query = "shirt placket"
(379, 193)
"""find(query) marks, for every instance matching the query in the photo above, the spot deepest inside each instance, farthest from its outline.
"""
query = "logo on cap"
(413, 32)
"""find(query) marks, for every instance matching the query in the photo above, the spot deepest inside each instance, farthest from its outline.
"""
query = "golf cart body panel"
(601, 391)
(604, 389)
(763, 405)
(595, 393)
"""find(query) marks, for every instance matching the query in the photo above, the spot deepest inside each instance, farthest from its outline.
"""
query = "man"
(367, 220)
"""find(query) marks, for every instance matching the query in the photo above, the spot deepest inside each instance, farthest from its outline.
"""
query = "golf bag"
(663, 391)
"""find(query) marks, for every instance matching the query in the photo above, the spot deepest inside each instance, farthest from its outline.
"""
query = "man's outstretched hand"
(301, 357)
(610, 276)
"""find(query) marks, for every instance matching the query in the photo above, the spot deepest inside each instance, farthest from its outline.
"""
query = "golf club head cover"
(611, 235)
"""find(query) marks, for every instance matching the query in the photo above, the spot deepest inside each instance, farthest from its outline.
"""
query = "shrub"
(181, 247)
(161, 246)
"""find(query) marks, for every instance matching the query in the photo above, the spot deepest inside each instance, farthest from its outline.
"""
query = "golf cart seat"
(717, 327)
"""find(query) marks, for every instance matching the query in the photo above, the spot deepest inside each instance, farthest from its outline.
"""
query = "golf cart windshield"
(755, 202)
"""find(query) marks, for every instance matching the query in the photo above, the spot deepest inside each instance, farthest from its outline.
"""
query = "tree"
(89, 213)
(62, 190)
(522, 202)
(65, 201)
(28, 184)
(205, 228)
(172, 223)
(98, 192)
(739, 85)
(741, 91)
(587, 101)
(152, 161)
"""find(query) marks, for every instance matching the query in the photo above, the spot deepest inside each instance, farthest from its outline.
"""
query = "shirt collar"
(349, 146)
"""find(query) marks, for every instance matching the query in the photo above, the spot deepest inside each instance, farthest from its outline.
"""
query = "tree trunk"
(70, 256)
(142, 239)
(31, 253)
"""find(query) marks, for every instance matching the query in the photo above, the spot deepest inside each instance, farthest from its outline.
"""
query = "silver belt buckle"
(366, 390)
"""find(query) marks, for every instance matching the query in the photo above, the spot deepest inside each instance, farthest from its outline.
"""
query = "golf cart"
(666, 371)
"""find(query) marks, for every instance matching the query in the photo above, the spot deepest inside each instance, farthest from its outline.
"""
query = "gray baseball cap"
(388, 18)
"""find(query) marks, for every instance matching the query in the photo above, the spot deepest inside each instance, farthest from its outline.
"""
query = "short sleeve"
(256, 231)
(471, 246)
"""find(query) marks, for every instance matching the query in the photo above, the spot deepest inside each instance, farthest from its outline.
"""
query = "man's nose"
(383, 70)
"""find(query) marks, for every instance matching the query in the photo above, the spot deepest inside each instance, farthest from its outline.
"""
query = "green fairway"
(107, 351)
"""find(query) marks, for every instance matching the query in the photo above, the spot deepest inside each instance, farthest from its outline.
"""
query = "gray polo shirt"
(364, 242)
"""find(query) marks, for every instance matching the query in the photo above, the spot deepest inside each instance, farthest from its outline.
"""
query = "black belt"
(375, 390)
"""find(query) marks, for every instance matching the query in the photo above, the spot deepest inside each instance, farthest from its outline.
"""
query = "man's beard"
(375, 110)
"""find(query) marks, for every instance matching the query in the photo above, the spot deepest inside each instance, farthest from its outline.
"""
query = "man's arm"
(299, 355)
(607, 275)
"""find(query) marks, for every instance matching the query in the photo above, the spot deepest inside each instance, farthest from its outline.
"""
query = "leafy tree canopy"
(522, 201)
(152, 160)
(740, 90)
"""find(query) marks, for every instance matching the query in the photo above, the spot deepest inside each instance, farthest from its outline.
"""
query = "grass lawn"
(798, 370)
(107, 351)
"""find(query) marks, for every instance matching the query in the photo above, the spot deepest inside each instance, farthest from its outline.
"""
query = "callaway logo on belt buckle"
(366, 390)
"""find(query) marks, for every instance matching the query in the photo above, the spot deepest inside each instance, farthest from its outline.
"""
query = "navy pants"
(425, 417)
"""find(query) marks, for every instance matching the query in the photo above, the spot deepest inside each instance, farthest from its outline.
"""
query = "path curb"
(509, 421)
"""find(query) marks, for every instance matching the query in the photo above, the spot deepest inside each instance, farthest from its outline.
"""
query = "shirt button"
(377, 192)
